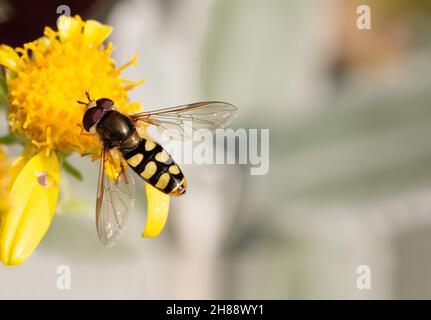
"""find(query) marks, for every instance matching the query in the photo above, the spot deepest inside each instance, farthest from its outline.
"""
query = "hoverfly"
(118, 133)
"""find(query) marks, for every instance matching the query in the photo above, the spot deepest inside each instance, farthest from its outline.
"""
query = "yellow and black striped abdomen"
(152, 163)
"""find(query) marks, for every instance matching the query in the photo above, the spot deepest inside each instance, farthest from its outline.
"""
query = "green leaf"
(3, 91)
(72, 170)
(8, 139)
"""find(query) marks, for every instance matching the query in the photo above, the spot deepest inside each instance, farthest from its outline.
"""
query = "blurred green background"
(349, 183)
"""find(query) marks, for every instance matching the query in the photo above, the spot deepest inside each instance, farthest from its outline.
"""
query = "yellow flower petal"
(158, 209)
(69, 28)
(95, 33)
(33, 198)
(9, 58)
(4, 203)
(16, 166)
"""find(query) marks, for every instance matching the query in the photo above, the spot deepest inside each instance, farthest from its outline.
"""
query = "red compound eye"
(105, 104)
(91, 117)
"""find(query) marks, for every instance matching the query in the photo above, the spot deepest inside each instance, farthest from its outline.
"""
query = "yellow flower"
(4, 204)
(45, 79)
(47, 76)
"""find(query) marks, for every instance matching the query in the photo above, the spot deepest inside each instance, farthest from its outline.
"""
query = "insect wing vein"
(115, 200)
(185, 119)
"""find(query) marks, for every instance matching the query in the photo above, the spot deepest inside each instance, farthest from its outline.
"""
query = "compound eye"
(105, 104)
(91, 117)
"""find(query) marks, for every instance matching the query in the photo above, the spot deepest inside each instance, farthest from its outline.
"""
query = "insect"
(119, 136)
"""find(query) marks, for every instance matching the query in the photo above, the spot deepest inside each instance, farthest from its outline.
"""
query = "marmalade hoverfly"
(118, 133)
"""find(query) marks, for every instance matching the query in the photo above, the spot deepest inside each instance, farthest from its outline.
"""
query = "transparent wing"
(184, 120)
(115, 199)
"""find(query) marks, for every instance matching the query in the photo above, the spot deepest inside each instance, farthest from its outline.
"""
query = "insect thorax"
(116, 129)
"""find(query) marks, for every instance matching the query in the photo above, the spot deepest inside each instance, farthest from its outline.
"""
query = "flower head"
(45, 79)
(47, 76)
